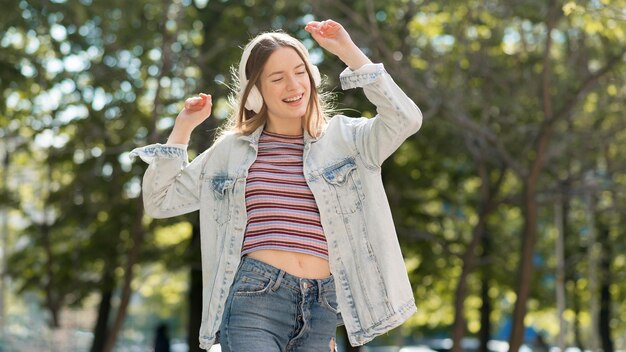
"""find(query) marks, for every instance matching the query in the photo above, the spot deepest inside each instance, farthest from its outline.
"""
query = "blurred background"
(509, 203)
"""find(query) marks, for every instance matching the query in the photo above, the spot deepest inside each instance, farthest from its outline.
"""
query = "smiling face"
(286, 90)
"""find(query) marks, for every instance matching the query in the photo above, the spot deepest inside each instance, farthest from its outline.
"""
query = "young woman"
(297, 233)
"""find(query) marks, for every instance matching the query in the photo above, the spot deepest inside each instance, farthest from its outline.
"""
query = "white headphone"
(255, 99)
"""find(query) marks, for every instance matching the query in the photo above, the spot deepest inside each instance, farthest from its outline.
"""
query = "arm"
(398, 117)
(171, 184)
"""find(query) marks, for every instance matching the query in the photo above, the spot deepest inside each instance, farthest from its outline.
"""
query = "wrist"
(179, 135)
(353, 57)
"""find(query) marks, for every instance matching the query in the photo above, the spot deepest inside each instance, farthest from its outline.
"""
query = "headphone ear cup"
(255, 100)
(315, 73)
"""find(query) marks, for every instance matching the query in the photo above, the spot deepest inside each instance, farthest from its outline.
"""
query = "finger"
(314, 29)
(315, 33)
(201, 100)
(331, 23)
(330, 28)
(190, 103)
(208, 103)
(206, 97)
(312, 26)
(322, 27)
(194, 107)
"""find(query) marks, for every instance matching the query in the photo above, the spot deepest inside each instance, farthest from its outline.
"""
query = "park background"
(509, 203)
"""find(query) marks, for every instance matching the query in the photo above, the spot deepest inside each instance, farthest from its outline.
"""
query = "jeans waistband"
(284, 278)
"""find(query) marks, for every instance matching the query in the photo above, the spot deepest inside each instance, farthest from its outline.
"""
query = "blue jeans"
(268, 310)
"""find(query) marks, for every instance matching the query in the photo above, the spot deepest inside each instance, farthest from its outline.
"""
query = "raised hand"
(196, 110)
(333, 37)
(330, 35)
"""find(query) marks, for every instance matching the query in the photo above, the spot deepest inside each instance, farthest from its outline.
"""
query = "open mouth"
(294, 99)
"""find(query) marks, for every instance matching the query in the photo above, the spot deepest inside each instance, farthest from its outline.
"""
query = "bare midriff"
(298, 264)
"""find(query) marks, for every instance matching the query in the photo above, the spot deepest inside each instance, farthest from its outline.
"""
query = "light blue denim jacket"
(342, 169)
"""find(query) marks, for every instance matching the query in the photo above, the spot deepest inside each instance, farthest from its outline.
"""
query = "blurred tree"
(521, 100)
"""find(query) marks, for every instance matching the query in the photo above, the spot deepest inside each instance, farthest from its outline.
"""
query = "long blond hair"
(246, 76)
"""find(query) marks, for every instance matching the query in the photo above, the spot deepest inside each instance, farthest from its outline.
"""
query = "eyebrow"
(278, 72)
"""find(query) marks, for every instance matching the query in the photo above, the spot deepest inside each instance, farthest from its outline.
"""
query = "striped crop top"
(282, 213)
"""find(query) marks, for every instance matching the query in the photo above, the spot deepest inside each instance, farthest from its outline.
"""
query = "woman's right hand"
(196, 110)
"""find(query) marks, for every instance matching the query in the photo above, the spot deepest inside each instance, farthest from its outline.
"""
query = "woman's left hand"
(330, 35)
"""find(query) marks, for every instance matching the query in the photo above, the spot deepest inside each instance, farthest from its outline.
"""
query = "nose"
(292, 82)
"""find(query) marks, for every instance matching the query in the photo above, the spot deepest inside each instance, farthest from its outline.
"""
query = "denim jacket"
(343, 170)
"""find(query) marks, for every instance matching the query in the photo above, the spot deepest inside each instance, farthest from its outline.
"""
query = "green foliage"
(83, 82)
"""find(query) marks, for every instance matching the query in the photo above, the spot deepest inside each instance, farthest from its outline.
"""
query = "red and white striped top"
(282, 213)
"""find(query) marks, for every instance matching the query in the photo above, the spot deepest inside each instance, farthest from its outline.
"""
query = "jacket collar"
(253, 138)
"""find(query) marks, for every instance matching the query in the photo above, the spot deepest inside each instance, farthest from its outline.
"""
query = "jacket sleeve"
(171, 185)
(397, 115)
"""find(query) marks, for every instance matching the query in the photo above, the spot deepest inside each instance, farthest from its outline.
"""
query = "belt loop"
(279, 280)
(319, 291)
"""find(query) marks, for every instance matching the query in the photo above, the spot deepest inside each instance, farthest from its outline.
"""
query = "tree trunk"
(195, 292)
(485, 309)
(52, 299)
(469, 262)
(559, 219)
(529, 203)
(4, 238)
(572, 248)
(487, 205)
(593, 257)
(104, 311)
(526, 267)
(577, 332)
(605, 293)
(127, 290)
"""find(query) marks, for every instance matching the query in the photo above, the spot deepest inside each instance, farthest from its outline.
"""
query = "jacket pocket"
(343, 180)
(222, 187)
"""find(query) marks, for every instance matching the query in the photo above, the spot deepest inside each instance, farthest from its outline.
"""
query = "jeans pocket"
(252, 284)
(329, 301)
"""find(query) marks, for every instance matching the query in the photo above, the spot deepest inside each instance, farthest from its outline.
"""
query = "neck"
(288, 128)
